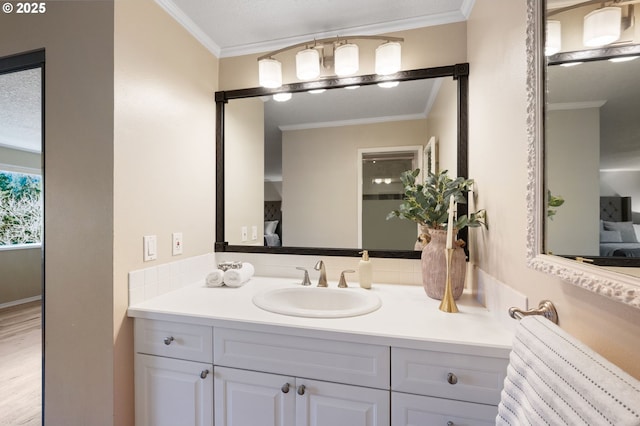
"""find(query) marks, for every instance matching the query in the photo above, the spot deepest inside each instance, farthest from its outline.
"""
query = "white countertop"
(407, 318)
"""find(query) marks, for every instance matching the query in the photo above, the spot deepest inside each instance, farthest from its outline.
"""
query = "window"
(20, 208)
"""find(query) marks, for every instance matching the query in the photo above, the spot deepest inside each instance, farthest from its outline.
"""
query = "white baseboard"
(20, 302)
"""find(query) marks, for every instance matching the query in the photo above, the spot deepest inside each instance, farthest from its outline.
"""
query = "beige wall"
(498, 159)
(319, 179)
(19, 158)
(244, 140)
(572, 159)
(21, 274)
(164, 155)
(78, 196)
(442, 123)
(164, 144)
(78, 38)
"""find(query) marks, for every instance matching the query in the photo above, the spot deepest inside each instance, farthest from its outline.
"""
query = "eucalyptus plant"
(428, 203)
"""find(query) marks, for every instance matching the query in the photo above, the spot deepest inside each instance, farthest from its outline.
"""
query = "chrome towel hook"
(545, 308)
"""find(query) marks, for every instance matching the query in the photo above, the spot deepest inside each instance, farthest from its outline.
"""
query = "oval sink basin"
(314, 302)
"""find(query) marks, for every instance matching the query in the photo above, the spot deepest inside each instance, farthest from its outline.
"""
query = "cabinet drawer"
(473, 378)
(411, 410)
(175, 340)
(334, 361)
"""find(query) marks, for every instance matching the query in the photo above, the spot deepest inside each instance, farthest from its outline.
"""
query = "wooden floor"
(21, 365)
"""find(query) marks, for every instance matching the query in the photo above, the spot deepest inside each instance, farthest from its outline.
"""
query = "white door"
(416, 410)
(172, 392)
(331, 404)
(250, 398)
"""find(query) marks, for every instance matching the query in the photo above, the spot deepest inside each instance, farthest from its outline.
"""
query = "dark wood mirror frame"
(459, 72)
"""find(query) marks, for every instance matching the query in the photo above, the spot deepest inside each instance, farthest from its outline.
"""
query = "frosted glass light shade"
(282, 97)
(554, 39)
(270, 73)
(388, 58)
(307, 64)
(602, 26)
(346, 59)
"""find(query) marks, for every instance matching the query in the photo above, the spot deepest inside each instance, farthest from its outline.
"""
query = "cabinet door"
(416, 410)
(172, 392)
(249, 398)
(331, 404)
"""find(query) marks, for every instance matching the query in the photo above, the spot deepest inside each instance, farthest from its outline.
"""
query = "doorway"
(380, 191)
(22, 237)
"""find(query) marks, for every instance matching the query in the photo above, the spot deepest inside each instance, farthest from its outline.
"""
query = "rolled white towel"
(238, 277)
(215, 278)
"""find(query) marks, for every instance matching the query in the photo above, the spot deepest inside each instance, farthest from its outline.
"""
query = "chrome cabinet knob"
(285, 388)
(452, 379)
(204, 374)
(301, 389)
(168, 340)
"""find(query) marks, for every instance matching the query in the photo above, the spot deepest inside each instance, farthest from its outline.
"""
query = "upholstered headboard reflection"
(615, 209)
(273, 211)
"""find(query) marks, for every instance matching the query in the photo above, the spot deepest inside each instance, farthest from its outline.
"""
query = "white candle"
(452, 207)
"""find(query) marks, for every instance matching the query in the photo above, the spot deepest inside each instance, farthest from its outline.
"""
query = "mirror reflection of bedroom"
(592, 159)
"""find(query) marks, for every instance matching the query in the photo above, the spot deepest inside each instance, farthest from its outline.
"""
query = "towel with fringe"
(553, 379)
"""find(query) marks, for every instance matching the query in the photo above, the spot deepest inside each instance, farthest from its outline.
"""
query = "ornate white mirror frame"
(621, 287)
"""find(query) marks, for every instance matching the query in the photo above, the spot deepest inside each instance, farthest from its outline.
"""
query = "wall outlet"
(177, 243)
(254, 232)
(244, 234)
(150, 248)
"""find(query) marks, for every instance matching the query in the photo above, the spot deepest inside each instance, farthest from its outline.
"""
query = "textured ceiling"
(238, 27)
(20, 110)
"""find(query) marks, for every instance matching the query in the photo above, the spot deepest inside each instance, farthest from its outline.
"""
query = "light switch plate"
(150, 248)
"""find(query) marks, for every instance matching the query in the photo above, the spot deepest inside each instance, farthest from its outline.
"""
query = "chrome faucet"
(322, 280)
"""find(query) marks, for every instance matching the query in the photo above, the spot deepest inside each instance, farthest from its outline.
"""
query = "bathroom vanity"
(209, 356)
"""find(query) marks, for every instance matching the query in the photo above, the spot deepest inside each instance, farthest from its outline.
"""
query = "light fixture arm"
(335, 40)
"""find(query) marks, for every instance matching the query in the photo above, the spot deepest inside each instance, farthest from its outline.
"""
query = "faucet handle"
(305, 280)
(343, 283)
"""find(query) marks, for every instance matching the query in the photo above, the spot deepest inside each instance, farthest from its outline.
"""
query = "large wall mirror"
(584, 162)
(318, 173)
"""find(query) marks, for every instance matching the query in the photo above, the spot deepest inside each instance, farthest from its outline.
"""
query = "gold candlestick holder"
(448, 304)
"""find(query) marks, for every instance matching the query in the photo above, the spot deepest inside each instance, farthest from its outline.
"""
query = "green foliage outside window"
(20, 208)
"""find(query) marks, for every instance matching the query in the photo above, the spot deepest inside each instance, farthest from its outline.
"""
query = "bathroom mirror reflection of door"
(381, 191)
(21, 238)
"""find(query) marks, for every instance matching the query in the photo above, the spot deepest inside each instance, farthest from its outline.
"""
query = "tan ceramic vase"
(434, 266)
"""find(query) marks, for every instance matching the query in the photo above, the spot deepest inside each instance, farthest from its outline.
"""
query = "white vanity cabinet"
(431, 387)
(250, 398)
(250, 368)
(283, 380)
(173, 374)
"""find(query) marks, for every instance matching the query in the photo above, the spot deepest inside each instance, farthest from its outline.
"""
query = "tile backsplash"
(150, 282)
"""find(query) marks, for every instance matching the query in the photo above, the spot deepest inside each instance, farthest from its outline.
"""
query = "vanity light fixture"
(317, 91)
(570, 64)
(354, 87)
(388, 84)
(282, 97)
(553, 42)
(335, 56)
(602, 26)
